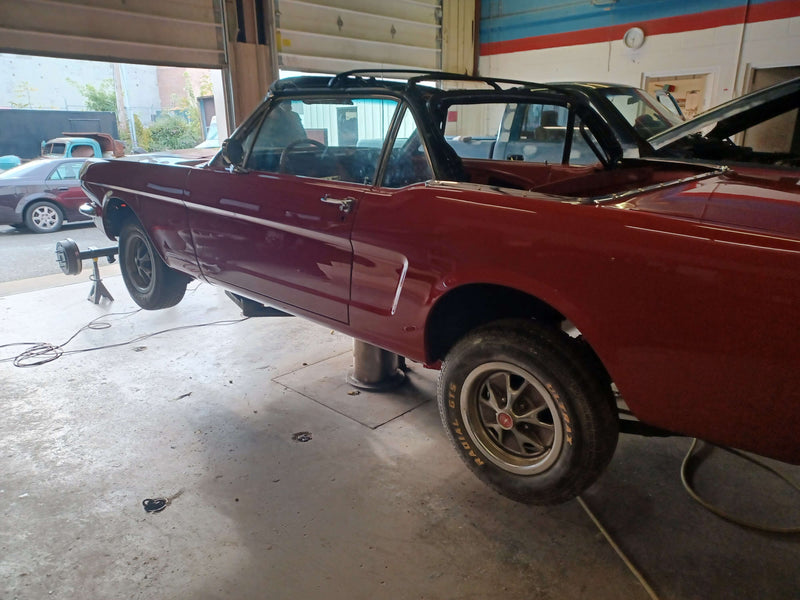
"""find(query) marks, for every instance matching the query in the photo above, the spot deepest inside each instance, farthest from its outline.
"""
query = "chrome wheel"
(43, 217)
(513, 416)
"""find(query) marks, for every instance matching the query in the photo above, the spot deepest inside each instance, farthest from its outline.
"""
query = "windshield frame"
(644, 99)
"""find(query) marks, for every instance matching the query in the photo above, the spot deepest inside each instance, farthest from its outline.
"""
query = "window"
(57, 148)
(644, 113)
(330, 138)
(408, 162)
(531, 132)
(68, 170)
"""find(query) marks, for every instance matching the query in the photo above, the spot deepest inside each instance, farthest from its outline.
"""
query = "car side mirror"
(232, 152)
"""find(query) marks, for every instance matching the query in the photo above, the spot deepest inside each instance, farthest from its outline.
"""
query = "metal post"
(374, 368)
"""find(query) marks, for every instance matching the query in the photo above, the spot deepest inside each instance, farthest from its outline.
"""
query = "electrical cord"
(723, 514)
(41, 353)
(628, 563)
(704, 503)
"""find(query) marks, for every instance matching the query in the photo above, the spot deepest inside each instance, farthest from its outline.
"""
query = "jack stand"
(70, 259)
(99, 291)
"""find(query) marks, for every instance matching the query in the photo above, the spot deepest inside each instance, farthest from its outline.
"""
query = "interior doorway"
(691, 91)
(781, 133)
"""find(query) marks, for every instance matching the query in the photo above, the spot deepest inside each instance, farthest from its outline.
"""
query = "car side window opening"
(408, 162)
(329, 138)
(66, 171)
(531, 132)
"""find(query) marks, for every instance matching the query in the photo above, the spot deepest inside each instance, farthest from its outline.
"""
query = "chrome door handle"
(345, 205)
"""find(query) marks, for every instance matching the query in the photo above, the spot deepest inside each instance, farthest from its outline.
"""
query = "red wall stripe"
(780, 9)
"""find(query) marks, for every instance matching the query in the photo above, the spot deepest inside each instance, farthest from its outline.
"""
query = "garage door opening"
(149, 108)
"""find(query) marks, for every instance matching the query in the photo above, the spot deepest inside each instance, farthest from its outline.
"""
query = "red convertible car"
(545, 290)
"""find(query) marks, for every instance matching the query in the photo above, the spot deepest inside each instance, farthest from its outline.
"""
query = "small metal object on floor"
(155, 505)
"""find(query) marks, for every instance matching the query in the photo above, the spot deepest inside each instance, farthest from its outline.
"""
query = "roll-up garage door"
(174, 32)
(337, 35)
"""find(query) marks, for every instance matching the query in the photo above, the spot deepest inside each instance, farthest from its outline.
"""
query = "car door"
(278, 228)
(64, 185)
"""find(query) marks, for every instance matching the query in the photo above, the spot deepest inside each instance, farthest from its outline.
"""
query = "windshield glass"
(54, 148)
(21, 171)
(645, 114)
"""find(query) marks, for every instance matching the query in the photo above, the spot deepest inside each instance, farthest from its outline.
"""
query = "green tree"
(171, 132)
(191, 108)
(100, 97)
(143, 137)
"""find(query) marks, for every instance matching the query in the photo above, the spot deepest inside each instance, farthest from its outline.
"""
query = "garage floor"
(375, 504)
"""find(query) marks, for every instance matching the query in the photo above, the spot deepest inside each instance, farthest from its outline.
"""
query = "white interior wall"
(714, 51)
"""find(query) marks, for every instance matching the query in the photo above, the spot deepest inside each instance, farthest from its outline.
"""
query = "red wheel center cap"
(505, 420)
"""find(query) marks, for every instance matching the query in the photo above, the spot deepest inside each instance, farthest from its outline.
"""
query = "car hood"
(734, 116)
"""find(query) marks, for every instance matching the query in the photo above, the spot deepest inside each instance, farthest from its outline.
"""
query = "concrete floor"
(375, 505)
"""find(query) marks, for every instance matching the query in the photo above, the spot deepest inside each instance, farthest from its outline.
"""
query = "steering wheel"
(292, 146)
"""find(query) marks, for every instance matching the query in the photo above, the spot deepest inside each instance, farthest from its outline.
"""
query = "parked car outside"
(42, 194)
(540, 287)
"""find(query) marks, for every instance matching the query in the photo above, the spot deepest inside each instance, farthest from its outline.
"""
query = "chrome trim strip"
(300, 231)
(600, 200)
(141, 193)
(400, 285)
(672, 233)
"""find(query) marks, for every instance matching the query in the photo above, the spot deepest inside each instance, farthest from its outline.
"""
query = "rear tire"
(43, 217)
(150, 282)
(525, 413)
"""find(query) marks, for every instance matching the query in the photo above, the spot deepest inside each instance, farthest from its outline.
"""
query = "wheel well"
(52, 203)
(115, 214)
(470, 306)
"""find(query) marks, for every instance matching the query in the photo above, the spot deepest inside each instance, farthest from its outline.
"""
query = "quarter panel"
(155, 194)
(693, 321)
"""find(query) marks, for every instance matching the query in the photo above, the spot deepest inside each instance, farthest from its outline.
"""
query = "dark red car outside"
(42, 194)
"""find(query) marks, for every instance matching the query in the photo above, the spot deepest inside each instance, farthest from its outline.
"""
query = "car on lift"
(549, 293)
(42, 194)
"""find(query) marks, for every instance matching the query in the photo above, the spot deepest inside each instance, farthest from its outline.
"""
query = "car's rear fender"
(469, 306)
(25, 201)
(151, 193)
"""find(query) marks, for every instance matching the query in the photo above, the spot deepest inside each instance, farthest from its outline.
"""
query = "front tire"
(150, 282)
(525, 413)
(43, 217)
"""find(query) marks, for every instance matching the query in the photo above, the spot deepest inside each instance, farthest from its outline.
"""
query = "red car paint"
(684, 279)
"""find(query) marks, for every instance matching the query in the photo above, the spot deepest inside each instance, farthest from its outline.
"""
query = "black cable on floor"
(726, 515)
